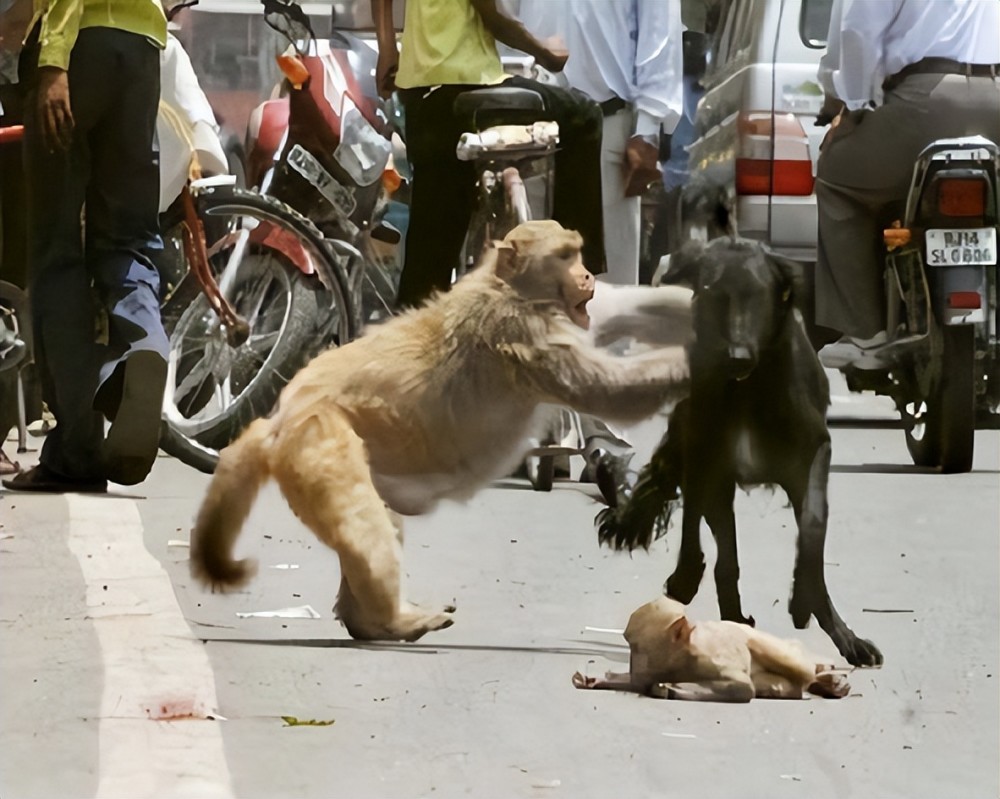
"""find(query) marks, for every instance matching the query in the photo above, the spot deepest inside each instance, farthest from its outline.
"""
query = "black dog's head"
(744, 298)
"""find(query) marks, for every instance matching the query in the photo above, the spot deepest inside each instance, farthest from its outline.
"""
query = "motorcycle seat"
(498, 99)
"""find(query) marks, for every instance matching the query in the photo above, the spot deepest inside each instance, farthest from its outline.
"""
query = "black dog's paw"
(861, 652)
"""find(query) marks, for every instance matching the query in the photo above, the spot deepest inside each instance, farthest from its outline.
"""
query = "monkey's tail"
(641, 515)
(243, 468)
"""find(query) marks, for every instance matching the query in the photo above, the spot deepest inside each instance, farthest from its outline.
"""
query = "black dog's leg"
(721, 518)
(810, 596)
(683, 584)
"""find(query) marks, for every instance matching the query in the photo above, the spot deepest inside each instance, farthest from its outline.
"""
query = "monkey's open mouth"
(578, 313)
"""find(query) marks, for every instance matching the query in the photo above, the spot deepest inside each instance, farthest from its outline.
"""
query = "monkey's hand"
(580, 681)
(830, 685)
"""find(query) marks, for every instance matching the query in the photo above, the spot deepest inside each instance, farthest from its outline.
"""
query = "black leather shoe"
(44, 480)
(134, 437)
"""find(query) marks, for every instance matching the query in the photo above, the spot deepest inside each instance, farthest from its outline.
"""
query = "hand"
(832, 106)
(54, 113)
(385, 73)
(554, 54)
(641, 167)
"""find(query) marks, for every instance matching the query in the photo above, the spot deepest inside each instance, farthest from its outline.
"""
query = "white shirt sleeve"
(659, 64)
(853, 66)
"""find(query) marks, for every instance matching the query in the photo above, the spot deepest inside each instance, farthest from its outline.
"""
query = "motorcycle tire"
(940, 431)
(215, 387)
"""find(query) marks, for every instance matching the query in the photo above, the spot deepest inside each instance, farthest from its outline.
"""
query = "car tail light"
(959, 197)
(785, 168)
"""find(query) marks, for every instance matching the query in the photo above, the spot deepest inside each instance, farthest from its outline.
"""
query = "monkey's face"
(577, 289)
(542, 261)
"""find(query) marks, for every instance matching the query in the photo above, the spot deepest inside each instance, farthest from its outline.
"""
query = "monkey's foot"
(830, 685)
(410, 624)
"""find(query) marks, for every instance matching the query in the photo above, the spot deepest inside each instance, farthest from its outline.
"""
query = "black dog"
(756, 415)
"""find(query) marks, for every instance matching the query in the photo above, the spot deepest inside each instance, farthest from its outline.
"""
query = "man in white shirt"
(626, 55)
(906, 72)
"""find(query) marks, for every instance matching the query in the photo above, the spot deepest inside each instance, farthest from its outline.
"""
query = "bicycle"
(514, 155)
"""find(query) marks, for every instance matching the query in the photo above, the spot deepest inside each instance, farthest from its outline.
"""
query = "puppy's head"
(542, 262)
(743, 296)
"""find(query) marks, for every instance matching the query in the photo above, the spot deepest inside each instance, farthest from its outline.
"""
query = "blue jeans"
(82, 273)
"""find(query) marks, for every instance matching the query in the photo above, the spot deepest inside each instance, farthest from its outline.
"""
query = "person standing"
(91, 72)
(448, 47)
(902, 73)
(626, 55)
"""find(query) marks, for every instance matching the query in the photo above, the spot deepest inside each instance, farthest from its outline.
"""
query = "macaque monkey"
(430, 405)
(713, 661)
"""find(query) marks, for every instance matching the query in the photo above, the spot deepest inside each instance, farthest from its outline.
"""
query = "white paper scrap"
(301, 612)
(677, 735)
(609, 630)
(285, 566)
(177, 542)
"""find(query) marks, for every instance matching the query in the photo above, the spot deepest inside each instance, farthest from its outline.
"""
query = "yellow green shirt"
(62, 20)
(445, 42)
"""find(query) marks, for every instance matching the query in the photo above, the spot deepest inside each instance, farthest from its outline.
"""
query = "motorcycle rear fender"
(948, 280)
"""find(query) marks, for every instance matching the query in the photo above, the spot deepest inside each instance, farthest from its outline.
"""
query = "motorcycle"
(298, 261)
(941, 363)
(325, 148)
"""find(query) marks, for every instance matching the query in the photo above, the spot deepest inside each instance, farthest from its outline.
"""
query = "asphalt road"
(111, 659)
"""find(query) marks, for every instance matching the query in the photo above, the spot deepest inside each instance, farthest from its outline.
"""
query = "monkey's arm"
(707, 691)
(613, 681)
(590, 381)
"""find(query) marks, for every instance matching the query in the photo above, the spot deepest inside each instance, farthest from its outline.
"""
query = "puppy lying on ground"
(431, 405)
(756, 415)
(713, 661)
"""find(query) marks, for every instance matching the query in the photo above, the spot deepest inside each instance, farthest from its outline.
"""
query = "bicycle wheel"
(217, 382)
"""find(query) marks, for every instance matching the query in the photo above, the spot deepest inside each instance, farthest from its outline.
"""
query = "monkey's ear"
(506, 267)
(679, 633)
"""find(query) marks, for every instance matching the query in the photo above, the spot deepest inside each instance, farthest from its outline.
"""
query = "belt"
(613, 106)
(941, 66)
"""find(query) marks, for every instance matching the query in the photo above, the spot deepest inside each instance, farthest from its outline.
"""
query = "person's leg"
(864, 168)
(441, 198)
(63, 316)
(122, 230)
(621, 213)
(577, 192)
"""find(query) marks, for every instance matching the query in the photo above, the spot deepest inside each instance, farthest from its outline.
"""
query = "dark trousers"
(93, 275)
(444, 188)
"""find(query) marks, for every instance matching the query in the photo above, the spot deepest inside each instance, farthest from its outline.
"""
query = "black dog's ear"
(790, 275)
(685, 266)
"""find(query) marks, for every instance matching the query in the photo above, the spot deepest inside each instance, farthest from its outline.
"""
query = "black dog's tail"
(640, 515)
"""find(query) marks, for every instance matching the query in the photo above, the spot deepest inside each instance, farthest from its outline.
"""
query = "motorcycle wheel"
(940, 429)
(216, 387)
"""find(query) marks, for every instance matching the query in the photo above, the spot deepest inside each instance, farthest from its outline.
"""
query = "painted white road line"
(154, 668)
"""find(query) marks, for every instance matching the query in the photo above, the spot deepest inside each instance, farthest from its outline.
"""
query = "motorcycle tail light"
(773, 156)
(958, 197)
(291, 67)
(964, 300)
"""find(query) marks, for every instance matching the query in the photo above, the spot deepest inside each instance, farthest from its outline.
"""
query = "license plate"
(967, 247)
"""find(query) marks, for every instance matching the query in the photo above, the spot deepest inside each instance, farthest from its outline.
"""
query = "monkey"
(429, 405)
(714, 661)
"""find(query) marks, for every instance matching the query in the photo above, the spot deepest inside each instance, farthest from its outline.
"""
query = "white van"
(755, 124)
